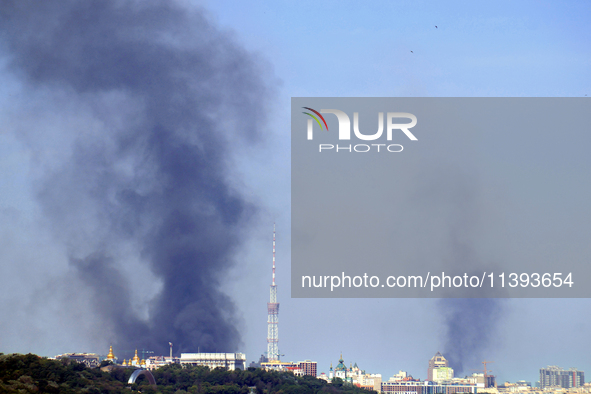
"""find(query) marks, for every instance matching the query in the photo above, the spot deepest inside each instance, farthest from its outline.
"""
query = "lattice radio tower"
(273, 309)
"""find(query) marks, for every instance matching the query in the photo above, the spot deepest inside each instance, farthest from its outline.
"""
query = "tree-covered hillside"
(32, 374)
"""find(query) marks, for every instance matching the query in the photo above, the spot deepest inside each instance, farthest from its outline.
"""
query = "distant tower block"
(437, 361)
(273, 310)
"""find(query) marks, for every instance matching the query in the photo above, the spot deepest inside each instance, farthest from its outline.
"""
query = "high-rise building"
(273, 318)
(558, 377)
(437, 361)
(308, 368)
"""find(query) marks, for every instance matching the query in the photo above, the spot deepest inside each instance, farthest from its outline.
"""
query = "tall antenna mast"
(273, 319)
(273, 284)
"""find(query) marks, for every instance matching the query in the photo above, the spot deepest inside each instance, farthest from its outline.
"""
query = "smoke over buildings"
(470, 325)
(131, 111)
(471, 242)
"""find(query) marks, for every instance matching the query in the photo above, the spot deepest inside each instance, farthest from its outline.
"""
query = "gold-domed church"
(136, 362)
(111, 357)
(133, 362)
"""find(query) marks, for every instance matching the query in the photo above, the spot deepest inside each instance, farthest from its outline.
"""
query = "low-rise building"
(156, 362)
(228, 361)
(442, 374)
(426, 387)
(277, 365)
(91, 360)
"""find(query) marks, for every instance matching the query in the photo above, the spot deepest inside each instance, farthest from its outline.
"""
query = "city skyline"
(539, 196)
(438, 371)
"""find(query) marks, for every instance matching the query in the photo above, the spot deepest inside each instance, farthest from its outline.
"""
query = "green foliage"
(32, 374)
(174, 378)
(104, 363)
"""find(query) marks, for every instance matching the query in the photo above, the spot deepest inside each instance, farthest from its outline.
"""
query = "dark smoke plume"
(453, 200)
(163, 96)
(471, 324)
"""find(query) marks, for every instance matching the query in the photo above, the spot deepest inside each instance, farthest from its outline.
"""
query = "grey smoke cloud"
(470, 324)
(135, 107)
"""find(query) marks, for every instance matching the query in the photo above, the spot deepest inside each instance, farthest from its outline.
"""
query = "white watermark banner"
(441, 197)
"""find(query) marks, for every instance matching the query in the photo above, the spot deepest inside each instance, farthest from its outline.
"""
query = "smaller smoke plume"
(471, 324)
(454, 200)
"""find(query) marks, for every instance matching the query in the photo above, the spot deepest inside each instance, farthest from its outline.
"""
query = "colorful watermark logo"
(345, 129)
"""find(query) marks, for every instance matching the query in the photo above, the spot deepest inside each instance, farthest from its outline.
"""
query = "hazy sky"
(304, 48)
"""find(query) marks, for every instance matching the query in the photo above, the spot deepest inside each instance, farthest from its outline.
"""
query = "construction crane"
(485, 370)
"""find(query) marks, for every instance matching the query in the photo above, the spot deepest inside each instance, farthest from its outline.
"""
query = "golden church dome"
(110, 356)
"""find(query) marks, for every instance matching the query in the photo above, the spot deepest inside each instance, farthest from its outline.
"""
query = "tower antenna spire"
(273, 319)
(273, 284)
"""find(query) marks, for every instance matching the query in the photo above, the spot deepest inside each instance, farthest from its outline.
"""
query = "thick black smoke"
(471, 325)
(454, 202)
(163, 95)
